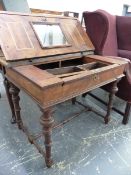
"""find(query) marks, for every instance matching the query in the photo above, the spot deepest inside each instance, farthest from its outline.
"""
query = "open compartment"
(72, 67)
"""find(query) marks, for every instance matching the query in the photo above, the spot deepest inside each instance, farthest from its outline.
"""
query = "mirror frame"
(49, 23)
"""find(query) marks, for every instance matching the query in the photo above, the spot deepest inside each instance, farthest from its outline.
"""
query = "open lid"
(29, 37)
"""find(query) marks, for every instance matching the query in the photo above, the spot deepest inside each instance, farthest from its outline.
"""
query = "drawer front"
(77, 87)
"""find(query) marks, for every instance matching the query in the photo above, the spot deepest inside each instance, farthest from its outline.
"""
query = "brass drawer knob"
(96, 77)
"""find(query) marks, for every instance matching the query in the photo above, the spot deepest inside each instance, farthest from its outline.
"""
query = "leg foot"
(13, 120)
(127, 113)
(106, 119)
(49, 163)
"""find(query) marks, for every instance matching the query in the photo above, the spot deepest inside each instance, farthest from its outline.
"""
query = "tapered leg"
(110, 103)
(47, 121)
(127, 113)
(7, 86)
(14, 91)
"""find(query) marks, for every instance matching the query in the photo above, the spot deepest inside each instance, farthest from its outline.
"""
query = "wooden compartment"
(53, 83)
(71, 67)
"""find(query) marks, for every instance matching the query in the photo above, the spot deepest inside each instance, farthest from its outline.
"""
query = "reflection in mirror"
(50, 35)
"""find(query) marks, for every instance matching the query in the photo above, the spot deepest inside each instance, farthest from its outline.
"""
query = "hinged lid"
(30, 37)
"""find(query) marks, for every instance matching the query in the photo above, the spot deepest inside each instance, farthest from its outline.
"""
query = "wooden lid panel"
(19, 41)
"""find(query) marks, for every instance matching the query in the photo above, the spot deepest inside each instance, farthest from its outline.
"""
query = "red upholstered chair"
(111, 36)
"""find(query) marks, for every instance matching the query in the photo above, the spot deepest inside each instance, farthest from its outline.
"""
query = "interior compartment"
(71, 67)
(92, 65)
(73, 62)
(64, 70)
(48, 65)
(58, 64)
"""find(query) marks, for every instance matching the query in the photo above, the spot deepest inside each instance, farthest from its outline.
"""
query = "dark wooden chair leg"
(84, 95)
(127, 113)
(74, 100)
(7, 86)
(110, 103)
(47, 122)
(14, 91)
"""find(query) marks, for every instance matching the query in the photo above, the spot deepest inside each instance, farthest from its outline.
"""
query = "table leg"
(14, 91)
(7, 86)
(114, 89)
(47, 121)
(127, 113)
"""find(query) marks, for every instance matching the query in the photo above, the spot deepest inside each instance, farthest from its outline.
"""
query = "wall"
(112, 6)
(16, 5)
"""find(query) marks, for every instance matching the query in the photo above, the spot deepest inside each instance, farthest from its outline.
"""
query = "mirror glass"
(50, 35)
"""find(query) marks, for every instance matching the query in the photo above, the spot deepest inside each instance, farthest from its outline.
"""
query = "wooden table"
(52, 86)
(52, 59)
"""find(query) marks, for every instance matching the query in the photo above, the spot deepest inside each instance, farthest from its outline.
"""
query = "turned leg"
(127, 113)
(7, 86)
(47, 121)
(114, 89)
(73, 100)
(14, 91)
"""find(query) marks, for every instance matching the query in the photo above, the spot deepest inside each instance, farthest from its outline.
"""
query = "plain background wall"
(16, 5)
(112, 6)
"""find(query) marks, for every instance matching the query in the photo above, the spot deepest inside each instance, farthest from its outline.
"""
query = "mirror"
(50, 35)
